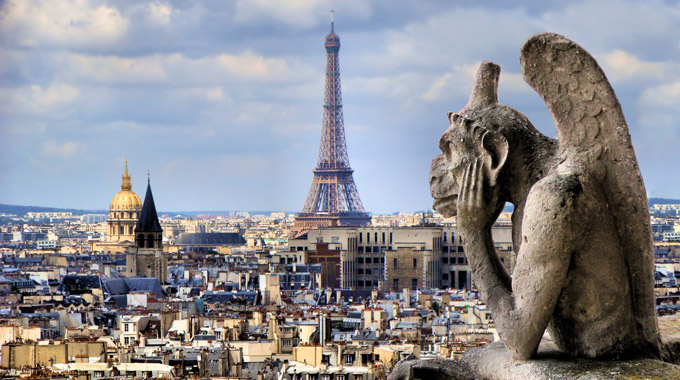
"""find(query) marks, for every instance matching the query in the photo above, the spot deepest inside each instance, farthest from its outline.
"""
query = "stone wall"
(409, 267)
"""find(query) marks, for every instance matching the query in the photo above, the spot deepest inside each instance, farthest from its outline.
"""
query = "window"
(360, 260)
(414, 283)
(376, 237)
(376, 260)
(126, 327)
(376, 249)
(445, 260)
(444, 236)
(395, 283)
(445, 276)
(349, 359)
(415, 263)
(383, 236)
(395, 263)
(287, 342)
(390, 238)
(339, 377)
(368, 237)
(360, 271)
(127, 340)
(361, 237)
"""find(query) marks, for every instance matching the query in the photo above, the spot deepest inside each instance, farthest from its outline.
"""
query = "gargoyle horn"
(485, 90)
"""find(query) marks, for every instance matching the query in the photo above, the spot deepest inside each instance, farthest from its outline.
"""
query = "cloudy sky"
(221, 100)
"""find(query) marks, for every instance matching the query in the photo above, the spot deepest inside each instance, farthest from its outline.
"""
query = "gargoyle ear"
(495, 147)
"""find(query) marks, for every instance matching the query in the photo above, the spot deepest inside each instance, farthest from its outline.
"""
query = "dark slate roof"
(148, 218)
(23, 260)
(226, 297)
(211, 238)
(122, 286)
(119, 301)
(355, 294)
(73, 282)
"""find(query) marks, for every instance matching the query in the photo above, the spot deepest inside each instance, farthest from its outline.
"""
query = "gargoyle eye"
(453, 117)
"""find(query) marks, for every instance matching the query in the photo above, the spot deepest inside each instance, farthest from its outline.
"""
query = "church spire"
(148, 232)
(126, 185)
(148, 218)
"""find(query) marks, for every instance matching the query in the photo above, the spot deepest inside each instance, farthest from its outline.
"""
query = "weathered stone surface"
(581, 232)
(494, 362)
(432, 369)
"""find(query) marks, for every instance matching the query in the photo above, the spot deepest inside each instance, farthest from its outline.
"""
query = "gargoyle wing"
(591, 129)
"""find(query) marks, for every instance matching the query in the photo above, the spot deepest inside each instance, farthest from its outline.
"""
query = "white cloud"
(37, 99)
(463, 77)
(56, 94)
(251, 65)
(116, 70)
(450, 37)
(621, 65)
(72, 23)
(458, 77)
(406, 85)
(215, 94)
(606, 24)
(54, 149)
(301, 14)
(160, 13)
(664, 95)
(437, 87)
(178, 69)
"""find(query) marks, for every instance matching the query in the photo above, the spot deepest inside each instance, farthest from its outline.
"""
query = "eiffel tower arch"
(333, 199)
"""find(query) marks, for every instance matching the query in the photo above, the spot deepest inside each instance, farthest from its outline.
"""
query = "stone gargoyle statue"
(581, 232)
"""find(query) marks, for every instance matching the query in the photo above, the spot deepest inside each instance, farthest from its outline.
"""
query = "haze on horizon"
(221, 101)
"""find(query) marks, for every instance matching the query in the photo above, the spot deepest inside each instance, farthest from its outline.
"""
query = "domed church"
(123, 213)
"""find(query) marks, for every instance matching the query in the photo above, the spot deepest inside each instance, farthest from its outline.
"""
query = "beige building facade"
(433, 256)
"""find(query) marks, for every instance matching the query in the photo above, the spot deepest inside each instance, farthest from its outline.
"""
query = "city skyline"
(222, 102)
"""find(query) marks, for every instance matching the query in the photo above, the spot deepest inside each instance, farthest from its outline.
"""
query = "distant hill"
(663, 201)
(23, 210)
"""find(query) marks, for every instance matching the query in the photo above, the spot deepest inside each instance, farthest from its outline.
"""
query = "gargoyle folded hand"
(478, 205)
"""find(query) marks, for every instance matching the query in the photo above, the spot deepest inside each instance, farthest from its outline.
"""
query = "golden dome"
(126, 199)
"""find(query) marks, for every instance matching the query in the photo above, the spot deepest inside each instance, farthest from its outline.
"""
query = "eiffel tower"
(333, 199)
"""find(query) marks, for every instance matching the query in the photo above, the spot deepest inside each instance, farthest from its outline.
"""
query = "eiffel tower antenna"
(333, 199)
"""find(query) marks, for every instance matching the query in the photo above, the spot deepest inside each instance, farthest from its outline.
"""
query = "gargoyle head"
(483, 129)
